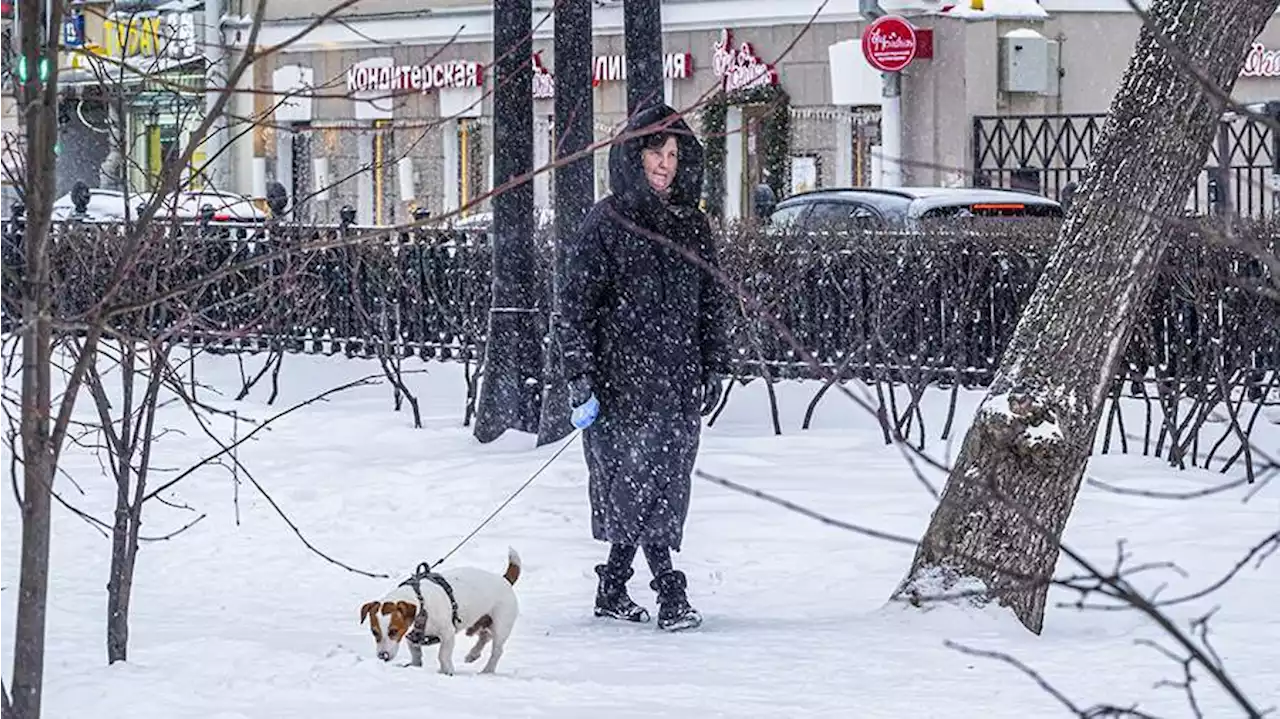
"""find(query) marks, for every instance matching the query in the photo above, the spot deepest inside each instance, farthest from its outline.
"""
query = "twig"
(1155, 494)
(1091, 712)
(174, 533)
(303, 539)
(363, 381)
(805, 511)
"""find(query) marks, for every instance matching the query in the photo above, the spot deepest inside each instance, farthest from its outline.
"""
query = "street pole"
(574, 181)
(891, 130)
(642, 23)
(215, 81)
(510, 392)
(890, 111)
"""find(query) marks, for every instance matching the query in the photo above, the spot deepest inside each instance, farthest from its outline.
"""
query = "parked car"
(542, 218)
(109, 206)
(856, 209)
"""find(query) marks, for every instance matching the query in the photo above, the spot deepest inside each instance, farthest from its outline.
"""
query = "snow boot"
(612, 600)
(674, 612)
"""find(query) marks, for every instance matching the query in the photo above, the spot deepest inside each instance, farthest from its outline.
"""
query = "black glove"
(712, 388)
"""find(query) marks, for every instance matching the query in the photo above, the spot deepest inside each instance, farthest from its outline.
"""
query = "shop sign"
(73, 31)
(608, 68)
(613, 68)
(739, 68)
(171, 35)
(423, 78)
(889, 43)
(544, 83)
(1261, 62)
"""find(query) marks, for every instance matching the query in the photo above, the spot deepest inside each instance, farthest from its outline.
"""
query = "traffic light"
(42, 69)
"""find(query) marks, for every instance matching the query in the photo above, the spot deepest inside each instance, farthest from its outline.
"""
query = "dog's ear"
(407, 609)
(368, 608)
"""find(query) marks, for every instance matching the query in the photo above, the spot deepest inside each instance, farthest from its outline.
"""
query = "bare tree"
(1035, 429)
(38, 102)
(44, 430)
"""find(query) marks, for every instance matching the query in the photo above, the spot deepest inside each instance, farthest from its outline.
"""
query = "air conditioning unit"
(912, 7)
(1028, 63)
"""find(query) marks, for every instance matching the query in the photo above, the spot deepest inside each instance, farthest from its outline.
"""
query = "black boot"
(612, 600)
(674, 612)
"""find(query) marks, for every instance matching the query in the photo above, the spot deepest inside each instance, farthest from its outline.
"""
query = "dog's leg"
(494, 655)
(446, 652)
(415, 655)
(474, 654)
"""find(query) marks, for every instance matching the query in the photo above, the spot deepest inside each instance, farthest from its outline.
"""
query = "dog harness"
(418, 635)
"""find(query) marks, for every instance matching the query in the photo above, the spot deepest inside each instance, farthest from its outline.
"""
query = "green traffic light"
(43, 67)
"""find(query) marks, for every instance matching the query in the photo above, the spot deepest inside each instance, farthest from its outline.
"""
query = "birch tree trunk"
(995, 534)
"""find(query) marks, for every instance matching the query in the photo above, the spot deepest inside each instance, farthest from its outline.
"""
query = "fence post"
(1222, 174)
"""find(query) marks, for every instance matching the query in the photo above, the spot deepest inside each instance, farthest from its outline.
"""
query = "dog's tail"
(513, 566)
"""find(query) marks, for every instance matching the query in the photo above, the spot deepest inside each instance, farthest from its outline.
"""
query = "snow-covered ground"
(236, 618)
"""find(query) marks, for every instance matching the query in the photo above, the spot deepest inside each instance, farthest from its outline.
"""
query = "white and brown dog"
(432, 607)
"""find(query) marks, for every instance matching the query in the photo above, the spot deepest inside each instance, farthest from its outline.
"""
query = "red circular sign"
(889, 43)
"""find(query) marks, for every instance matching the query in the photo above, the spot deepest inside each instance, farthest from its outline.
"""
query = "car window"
(786, 217)
(844, 216)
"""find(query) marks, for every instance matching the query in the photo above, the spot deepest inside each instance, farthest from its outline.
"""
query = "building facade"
(403, 123)
(131, 93)
(391, 109)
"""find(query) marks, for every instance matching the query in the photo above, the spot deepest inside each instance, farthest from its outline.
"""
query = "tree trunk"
(642, 23)
(39, 104)
(995, 534)
(510, 392)
(574, 183)
(133, 439)
(120, 582)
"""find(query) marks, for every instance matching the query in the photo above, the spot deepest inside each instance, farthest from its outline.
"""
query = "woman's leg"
(674, 611)
(659, 558)
(612, 600)
(621, 556)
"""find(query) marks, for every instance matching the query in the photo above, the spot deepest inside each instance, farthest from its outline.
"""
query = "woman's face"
(660, 165)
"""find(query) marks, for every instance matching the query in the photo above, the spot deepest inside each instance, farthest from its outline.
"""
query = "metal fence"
(884, 306)
(1043, 153)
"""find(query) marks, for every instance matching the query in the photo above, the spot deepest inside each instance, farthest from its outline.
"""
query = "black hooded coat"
(646, 325)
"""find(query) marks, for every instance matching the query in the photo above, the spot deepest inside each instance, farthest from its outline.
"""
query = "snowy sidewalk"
(242, 621)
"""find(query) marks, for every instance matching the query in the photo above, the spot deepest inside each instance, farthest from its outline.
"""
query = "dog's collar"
(418, 634)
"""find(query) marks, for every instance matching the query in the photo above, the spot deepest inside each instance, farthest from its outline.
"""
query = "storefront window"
(472, 163)
(161, 126)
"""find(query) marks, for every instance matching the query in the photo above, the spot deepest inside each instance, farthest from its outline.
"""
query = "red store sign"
(739, 68)
(1261, 62)
(544, 83)
(608, 68)
(890, 43)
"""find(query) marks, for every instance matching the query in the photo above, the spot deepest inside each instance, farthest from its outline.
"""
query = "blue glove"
(585, 413)
(583, 400)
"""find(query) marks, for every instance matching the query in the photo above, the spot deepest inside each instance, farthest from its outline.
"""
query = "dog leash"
(577, 433)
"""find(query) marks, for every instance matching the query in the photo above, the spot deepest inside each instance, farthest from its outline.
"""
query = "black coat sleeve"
(584, 276)
(714, 310)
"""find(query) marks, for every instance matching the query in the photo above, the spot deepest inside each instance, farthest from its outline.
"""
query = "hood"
(626, 173)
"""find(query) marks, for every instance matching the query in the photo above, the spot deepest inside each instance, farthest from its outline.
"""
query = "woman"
(641, 325)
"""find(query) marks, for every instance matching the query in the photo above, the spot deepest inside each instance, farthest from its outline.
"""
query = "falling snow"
(237, 620)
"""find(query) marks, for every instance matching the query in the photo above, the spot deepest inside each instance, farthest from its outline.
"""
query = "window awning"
(98, 70)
